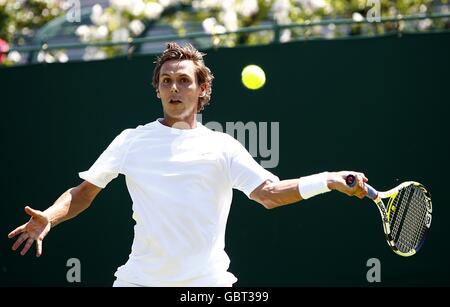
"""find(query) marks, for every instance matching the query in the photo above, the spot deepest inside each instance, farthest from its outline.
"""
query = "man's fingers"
(360, 179)
(16, 231)
(38, 248)
(362, 189)
(30, 211)
(364, 178)
(19, 241)
(27, 246)
(359, 189)
(361, 194)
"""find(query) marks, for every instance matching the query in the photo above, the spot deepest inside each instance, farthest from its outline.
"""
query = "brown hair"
(187, 52)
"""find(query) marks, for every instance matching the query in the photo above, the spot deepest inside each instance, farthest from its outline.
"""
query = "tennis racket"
(405, 212)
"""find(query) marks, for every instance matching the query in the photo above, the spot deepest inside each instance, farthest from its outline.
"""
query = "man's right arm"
(68, 205)
(71, 203)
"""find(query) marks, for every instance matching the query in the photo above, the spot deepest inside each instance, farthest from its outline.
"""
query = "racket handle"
(372, 193)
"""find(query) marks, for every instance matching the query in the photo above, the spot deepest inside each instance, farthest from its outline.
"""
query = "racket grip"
(372, 193)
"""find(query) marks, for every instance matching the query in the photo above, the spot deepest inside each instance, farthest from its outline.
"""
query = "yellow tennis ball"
(253, 77)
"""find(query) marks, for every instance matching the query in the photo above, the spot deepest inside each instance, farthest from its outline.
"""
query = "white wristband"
(313, 185)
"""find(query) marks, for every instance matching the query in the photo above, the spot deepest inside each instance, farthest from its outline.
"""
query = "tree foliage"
(123, 20)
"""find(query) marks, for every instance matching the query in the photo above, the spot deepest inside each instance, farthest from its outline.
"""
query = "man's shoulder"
(142, 128)
(129, 133)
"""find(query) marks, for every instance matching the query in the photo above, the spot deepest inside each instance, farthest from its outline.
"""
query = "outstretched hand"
(338, 182)
(34, 230)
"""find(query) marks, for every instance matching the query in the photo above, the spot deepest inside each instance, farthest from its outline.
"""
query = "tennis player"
(180, 176)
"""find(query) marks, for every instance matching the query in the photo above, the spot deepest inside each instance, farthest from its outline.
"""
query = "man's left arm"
(275, 194)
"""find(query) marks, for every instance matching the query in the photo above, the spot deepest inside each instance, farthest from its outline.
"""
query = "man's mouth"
(174, 101)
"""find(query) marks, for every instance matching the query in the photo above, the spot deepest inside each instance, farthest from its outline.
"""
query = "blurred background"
(355, 84)
(66, 30)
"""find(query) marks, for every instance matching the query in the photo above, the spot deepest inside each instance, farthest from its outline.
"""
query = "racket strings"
(408, 219)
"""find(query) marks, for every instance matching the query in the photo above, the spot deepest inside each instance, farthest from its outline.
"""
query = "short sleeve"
(109, 164)
(245, 173)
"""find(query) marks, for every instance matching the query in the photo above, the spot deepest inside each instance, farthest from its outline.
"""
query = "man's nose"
(174, 87)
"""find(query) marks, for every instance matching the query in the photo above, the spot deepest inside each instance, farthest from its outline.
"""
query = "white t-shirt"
(180, 182)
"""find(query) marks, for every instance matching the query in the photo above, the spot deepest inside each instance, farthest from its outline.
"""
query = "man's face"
(178, 90)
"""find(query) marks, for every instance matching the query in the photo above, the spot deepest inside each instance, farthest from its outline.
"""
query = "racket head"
(408, 208)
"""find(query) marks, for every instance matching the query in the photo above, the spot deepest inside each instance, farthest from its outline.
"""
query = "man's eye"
(185, 80)
(165, 81)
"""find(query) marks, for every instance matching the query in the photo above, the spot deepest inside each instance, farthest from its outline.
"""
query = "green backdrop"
(376, 105)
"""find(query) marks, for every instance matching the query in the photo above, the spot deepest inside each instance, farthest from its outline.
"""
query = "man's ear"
(203, 89)
(157, 94)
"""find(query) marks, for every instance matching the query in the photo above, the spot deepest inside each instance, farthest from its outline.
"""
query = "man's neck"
(185, 123)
